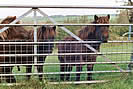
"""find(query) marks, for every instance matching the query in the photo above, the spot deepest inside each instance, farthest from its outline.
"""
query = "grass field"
(117, 80)
(121, 82)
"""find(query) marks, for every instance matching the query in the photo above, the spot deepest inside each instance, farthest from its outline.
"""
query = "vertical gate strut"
(35, 38)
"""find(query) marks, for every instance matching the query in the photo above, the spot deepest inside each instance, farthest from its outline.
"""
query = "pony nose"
(105, 38)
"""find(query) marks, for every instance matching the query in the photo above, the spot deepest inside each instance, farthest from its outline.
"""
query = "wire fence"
(56, 60)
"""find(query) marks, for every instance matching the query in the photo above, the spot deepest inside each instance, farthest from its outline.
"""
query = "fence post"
(35, 38)
(130, 30)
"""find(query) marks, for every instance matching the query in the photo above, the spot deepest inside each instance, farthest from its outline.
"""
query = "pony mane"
(47, 31)
(85, 31)
(43, 32)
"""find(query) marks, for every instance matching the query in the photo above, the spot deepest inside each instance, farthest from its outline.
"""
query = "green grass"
(97, 67)
(117, 80)
(122, 82)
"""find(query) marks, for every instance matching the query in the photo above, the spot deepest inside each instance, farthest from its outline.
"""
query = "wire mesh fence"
(59, 55)
(15, 63)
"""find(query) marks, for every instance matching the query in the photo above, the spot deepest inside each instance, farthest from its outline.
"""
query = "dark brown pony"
(19, 33)
(44, 34)
(88, 33)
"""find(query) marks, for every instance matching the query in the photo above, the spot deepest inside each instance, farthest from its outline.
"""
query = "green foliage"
(123, 17)
(78, 19)
(119, 30)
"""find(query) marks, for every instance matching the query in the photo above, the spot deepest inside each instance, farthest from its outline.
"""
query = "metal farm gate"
(112, 61)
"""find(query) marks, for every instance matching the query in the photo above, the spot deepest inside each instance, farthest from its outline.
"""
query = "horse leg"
(1, 72)
(18, 68)
(28, 70)
(8, 70)
(69, 68)
(89, 68)
(78, 69)
(40, 67)
(40, 70)
(62, 69)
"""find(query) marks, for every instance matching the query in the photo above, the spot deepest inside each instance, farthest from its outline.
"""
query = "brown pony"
(11, 34)
(88, 33)
(18, 33)
(44, 34)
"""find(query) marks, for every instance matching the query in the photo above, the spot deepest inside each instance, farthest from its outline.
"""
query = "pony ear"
(14, 17)
(95, 17)
(11, 16)
(108, 16)
(54, 27)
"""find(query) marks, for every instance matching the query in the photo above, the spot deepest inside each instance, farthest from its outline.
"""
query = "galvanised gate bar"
(61, 60)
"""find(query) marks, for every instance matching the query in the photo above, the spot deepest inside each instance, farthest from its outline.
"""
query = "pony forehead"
(103, 19)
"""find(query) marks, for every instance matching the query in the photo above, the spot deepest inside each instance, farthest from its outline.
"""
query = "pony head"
(102, 31)
(47, 32)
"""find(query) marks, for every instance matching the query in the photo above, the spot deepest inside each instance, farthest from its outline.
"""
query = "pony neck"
(93, 35)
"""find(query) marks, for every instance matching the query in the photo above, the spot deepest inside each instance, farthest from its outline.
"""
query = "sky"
(20, 11)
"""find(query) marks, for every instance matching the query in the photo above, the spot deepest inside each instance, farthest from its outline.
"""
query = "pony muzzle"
(104, 39)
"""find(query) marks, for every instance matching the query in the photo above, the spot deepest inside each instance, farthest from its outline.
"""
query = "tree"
(130, 12)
